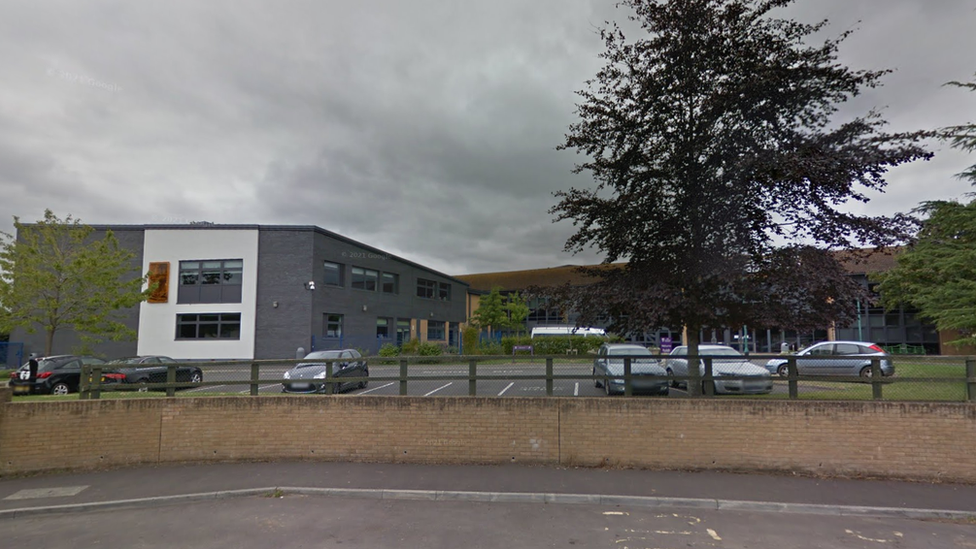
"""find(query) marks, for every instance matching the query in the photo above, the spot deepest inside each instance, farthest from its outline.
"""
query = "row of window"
(436, 329)
(372, 280)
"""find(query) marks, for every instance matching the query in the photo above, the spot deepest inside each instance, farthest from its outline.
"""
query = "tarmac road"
(429, 506)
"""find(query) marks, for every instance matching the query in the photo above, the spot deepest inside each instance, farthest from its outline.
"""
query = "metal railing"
(915, 378)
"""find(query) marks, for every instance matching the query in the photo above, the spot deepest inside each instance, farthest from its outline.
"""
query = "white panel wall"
(157, 321)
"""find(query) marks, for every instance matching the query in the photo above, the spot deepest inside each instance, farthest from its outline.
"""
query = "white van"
(566, 331)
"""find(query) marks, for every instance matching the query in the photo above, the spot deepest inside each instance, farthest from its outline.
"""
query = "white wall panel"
(157, 321)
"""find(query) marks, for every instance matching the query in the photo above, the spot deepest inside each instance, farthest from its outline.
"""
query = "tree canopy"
(937, 273)
(723, 171)
(55, 274)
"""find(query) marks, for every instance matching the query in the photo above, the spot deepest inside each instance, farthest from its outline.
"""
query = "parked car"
(150, 369)
(345, 363)
(850, 358)
(726, 362)
(56, 375)
(609, 364)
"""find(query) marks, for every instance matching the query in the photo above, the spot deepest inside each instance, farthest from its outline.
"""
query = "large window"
(333, 274)
(435, 330)
(391, 283)
(426, 288)
(208, 326)
(211, 281)
(365, 279)
(333, 325)
(445, 292)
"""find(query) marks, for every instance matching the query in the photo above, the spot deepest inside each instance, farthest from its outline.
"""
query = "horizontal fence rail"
(914, 378)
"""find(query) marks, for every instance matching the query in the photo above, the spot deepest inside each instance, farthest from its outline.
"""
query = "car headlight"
(287, 375)
(320, 375)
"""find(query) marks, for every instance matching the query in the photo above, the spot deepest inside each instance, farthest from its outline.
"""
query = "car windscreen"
(323, 355)
(130, 360)
(720, 352)
(629, 352)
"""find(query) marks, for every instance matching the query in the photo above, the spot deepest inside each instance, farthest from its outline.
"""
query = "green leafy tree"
(517, 310)
(937, 273)
(56, 275)
(491, 311)
(723, 172)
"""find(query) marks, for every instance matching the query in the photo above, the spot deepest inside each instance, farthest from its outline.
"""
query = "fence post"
(708, 387)
(330, 386)
(96, 382)
(628, 388)
(971, 379)
(549, 376)
(84, 392)
(403, 377)
(472, 373)
(170, 380)
(876, 378)
(255, 376)
(792, 374)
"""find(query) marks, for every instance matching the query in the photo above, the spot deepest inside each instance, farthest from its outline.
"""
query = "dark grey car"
(608, 369)
(309, 377)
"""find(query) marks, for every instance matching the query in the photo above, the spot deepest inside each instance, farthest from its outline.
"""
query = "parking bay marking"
(377, 388)
(506, 388)
(438, 389)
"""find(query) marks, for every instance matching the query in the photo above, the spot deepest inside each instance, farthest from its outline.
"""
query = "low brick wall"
(889, 439)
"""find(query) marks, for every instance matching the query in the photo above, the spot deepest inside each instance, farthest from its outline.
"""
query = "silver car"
(727, 361)
(608, 369)
(847, 358)
(309, 377)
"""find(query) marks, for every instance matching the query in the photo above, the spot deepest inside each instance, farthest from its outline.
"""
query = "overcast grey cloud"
(425, 128)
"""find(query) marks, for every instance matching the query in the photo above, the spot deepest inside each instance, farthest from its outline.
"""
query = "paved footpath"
(322, 504)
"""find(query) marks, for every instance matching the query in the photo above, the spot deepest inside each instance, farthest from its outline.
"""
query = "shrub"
(426, 348)
(389, 349)
(409, 347)
(490, 348)
(469, 340)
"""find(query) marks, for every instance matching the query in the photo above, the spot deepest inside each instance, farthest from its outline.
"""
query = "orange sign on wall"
(159, 282)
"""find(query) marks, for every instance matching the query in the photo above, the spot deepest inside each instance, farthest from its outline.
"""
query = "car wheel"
(606, 386)
(596, 382)
(362, 384)
(783, 370)
(866, 372)
(673, 383)
(196, 377)
(665, 392)
(60, 389)
(143, 389)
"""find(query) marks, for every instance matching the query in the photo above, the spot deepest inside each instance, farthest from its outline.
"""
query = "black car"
(308, 377)
(150, 369)
(56, 375)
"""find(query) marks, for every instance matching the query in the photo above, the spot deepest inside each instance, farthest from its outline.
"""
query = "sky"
(427, 128)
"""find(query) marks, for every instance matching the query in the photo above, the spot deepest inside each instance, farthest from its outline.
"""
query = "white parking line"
(506, 388)
(376, 388)
(437, 389)
(576, 390)
(247, 391)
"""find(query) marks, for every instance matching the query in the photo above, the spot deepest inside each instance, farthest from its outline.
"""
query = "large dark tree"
(722, 171)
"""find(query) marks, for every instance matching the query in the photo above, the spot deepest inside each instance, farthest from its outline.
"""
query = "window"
(365, 279)
(435, 330)
(402, 331)
(445, 292)
(333, 325)
(333, 274)
(382, 327)
(391, 283)
(208, 326)
(211, 281)
(426, 288)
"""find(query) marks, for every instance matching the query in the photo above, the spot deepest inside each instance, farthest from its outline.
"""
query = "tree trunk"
(49, 342)
(694, 383)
